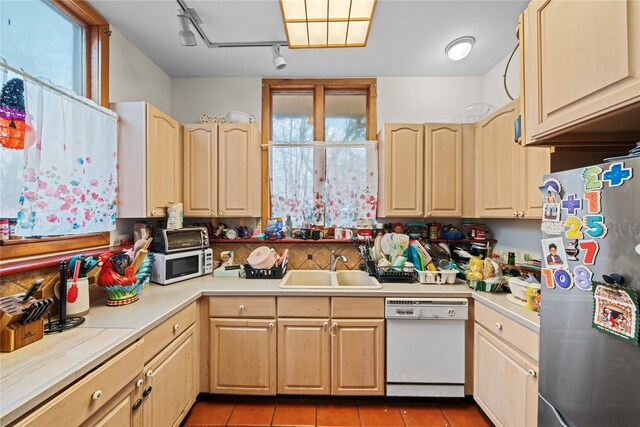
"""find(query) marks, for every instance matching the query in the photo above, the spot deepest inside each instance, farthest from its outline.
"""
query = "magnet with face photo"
(554, 253)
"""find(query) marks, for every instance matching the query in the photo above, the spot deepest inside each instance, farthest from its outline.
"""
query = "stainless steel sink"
(322, 279)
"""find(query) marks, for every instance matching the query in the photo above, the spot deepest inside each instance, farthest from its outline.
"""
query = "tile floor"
(211, 410)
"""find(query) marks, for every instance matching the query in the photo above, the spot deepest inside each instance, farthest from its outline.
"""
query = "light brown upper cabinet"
(401, 166)
(443, 170)
(581, 71)
(149, 160)
(508, 175)
(221, 170)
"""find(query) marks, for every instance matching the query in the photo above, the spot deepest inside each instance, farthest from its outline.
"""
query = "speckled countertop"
(33, 374)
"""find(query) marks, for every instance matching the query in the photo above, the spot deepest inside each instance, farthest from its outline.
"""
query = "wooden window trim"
(319, 86)
(96, 36)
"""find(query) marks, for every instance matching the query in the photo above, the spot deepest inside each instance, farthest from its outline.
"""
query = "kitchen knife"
(32, 290)
(42, 309)
(27, 314)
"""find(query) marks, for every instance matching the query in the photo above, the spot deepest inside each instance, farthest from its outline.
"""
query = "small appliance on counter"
(168, 241)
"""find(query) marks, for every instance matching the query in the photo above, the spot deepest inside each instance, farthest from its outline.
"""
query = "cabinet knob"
(324, 325)
(149, 373)
(176, 327)
(147, 391)
(241, 307)
(137, 404)
(154, 212)
(335, 325)
(515, 213)
(429, 213)
(220, 213)
(499, 326)
(213, 214)
(532, 373)
(420, 213)
(451, 312)
(139, 383)
(96, 395)
(271, 325)
(520, 214)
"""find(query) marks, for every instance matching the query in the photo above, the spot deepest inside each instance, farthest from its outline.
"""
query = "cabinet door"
(443, 170)
(304, 359)
(402, 171)
(236, 170)
(169, 389)
(573, 74)
(200, 167)
(357, 357)
(123, 410)
(537, 163)
(243, 356)
(505, 383)
(497, 167)
(164, 162)
(469, 205)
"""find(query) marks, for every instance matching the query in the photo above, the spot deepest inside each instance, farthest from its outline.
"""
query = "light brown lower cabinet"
(505, 382)
(304, 356)
(123, 410)
(357, 359)
(169, 388)
(243, 356)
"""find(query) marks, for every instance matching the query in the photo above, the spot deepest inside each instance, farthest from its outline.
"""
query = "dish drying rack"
(388, 273)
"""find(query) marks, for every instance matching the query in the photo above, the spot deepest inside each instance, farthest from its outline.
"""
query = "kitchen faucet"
(334, 260)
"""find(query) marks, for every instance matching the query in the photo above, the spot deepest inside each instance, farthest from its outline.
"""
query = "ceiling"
(407, 38)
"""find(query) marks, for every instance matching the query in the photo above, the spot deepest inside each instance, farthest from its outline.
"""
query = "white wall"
(493, 83)
(134, 77)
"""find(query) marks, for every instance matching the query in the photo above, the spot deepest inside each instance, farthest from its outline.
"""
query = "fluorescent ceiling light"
(459, 48)
(327, 23)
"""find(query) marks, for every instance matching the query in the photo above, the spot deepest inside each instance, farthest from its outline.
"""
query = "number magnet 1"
(563, 278)
(595, 227)
(617, 174)
(582, 277)
(591, 178)
(590, 248)
(547, 273)
(594, 201)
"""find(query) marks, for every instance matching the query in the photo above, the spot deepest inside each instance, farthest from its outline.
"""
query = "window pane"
(292, 117)
(37, 37)
(345, 116)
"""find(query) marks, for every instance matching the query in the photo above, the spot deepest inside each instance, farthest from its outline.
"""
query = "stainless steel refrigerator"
(588, 377)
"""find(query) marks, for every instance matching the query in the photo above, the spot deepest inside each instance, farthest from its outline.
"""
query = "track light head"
(185, 35)
(278, 60)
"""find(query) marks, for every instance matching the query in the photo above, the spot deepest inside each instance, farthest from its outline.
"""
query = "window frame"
(318, 86)
(96, 34)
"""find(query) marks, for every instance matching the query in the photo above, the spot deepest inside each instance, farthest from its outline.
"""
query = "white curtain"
(69, 177)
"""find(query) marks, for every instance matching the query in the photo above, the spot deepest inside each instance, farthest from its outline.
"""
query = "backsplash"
(302, 256)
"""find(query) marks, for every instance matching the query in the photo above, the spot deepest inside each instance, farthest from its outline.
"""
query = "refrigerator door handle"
(555, 411)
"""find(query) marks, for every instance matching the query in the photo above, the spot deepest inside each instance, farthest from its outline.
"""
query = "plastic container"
(440, 277)
(481, 285)
(265, 273)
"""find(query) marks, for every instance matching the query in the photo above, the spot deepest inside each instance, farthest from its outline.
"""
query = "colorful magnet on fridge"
(615, 311)
(574, 224)
(595, 227)
(547, 274)
(553, 184)
(572, 251)
(563, 278)
(572, 204)
(590, 248)
(594, 201)
(591, 178)
(617, 174)
(552, 227)
(582, 277)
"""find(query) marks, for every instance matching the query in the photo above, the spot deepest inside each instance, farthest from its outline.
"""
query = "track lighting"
(278, 60)
(185, 35)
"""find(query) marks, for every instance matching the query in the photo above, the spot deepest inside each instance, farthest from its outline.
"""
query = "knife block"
(15, 335)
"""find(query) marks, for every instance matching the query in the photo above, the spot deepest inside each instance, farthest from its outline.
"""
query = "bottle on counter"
(4, 229)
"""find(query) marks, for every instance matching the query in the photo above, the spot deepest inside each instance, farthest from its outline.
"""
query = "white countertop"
(38, 371)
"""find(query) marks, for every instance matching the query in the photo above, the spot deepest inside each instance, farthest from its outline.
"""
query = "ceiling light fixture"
(185, 35)
(278, 60)
(327, 23)
(459, 48)
(187, 15)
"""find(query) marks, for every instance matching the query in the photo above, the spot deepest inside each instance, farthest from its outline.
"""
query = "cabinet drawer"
(167, 331)
(242, 307)
(357, 308)
(304, 307)
(91, 393)
(518, 336)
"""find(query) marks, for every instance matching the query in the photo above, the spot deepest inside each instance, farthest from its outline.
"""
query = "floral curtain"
(67, 180)
(324, 183)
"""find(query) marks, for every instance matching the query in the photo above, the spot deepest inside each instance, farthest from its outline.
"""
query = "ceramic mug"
(77, 296)
(306, 233)
(317, 234)
(343, 234)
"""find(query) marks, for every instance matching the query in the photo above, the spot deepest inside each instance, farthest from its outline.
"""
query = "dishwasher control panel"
(426, 308)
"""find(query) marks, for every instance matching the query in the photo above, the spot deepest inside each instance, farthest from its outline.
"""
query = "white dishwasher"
(425, 346)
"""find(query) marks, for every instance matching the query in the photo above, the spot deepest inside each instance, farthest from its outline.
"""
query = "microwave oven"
(175, 267)
(183, 239)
